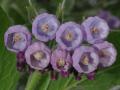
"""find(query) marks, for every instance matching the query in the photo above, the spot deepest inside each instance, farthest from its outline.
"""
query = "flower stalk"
(33, 80)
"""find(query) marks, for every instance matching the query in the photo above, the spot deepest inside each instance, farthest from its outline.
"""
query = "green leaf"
(44, 82)
(33, 80)
(8, 73)
(106, 78)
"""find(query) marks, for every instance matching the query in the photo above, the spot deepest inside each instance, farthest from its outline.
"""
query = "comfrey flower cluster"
(80, 49)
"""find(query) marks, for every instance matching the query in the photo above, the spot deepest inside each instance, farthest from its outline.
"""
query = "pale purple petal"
(63, 55)
(96, 29)
(92, 63)
(73, 40)
(32, 62)
(107, 53)
(52, 26)
(20, 45)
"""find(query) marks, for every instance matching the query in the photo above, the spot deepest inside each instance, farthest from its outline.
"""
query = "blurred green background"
(14, 12)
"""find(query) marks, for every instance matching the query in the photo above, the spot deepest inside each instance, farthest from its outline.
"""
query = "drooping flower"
(17, 38)
(91, 76)
(107, 53)
(21, 62)
(61, 61)
(96, 29)
(44, 27)
(113, 21)
(69, 36)
(38, 56)
(85, 59)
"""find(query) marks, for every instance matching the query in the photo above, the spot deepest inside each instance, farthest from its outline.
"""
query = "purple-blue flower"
(113, 21)
(38, 56)
(69, 36)
(96, 29)
(107, 53)
(44, 27)
(85, 59)
(17, 38)
(61, 61)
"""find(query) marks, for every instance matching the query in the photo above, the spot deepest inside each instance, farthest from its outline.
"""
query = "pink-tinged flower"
(85, 59)
(44, 27)
(69, 36)
(37, 56)
(17, 38)
(96, 29)
(61, 61)
(107, 53)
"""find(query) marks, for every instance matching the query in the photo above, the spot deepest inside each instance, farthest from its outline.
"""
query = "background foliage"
(23, 12)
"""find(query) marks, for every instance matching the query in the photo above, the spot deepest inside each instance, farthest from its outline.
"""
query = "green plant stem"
(115, 31)
(31, 5)
(33, 80)
(60, 10)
